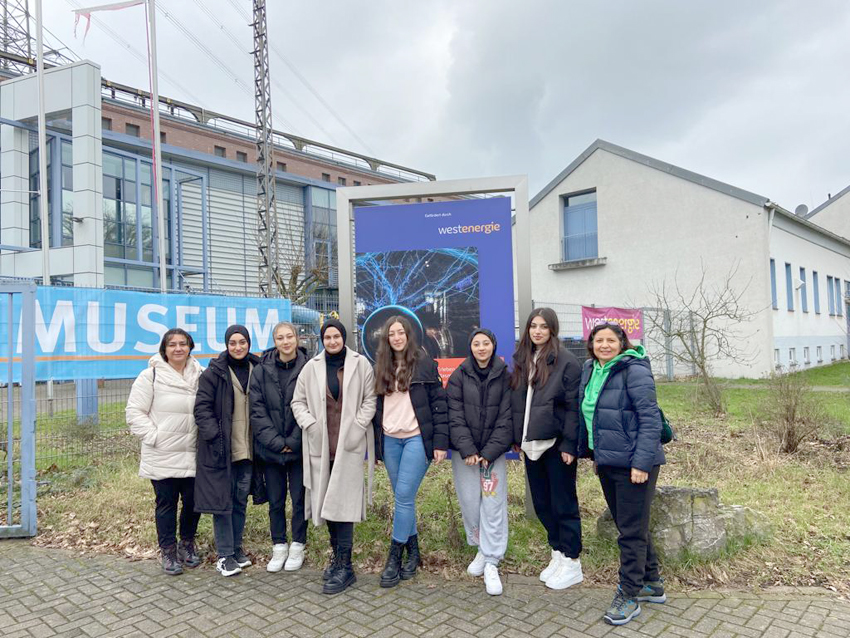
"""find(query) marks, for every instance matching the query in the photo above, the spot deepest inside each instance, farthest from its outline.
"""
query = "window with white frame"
(580, 240)
(841, 350)
(776, 358)
(806, 359)
(819, 352)
(792, 356)
(832, 352)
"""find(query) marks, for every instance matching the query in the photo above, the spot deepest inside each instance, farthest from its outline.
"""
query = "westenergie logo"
(492, 227)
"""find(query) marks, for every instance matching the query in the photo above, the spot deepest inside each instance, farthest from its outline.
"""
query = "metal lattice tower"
(17, 40)
(267, 235)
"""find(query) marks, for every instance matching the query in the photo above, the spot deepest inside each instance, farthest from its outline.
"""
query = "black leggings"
(342, 534)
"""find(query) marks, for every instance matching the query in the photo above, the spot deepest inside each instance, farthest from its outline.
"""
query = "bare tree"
(701, 323)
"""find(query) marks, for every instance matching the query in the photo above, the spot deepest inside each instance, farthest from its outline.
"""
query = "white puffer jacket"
(160, 411)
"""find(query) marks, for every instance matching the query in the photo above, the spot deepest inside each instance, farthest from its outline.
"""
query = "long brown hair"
(388, 371)
(524, 355)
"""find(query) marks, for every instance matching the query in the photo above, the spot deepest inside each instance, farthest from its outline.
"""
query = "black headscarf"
(482, 372)
(334, 361)
(241, 367)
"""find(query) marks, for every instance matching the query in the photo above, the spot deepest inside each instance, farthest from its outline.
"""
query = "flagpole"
(42, 151)
(157, 147)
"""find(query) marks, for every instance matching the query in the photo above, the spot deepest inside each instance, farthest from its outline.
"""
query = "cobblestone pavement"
(46, 592)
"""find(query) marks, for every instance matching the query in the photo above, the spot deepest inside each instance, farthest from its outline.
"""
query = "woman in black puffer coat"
(479, 399)
(621, 431)
(545, 414)
(277, 441)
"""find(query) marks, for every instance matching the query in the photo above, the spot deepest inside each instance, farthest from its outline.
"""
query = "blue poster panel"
(447, 266)
(91, 333)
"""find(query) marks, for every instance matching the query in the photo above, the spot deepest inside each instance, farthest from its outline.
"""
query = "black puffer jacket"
(486, 432)
(626, 422)
(429, 404)
(554, 407)
(272, 422)
(214, 418)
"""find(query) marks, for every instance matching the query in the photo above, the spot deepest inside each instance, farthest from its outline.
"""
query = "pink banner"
(630, 320)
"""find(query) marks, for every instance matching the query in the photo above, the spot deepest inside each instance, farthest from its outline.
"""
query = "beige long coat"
(339, 495)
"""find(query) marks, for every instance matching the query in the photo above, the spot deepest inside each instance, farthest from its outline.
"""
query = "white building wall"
(654, 226)
(794, 330)
(836, 216)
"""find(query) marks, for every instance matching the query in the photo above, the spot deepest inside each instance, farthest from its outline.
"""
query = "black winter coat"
(429, 404)
(626, 422)
(488, 432)
(554, 407)
(272, 422)
(214, 418)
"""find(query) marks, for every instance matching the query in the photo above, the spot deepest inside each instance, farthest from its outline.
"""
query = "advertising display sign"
(630, 320)
(446, 266)
(91, 333)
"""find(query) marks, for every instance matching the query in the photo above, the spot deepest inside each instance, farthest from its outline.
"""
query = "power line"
(306, 83)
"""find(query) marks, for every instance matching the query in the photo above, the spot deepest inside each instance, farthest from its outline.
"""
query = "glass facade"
(64, 173)
(321, 235)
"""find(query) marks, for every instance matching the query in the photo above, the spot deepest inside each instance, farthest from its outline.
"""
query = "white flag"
(87, 11)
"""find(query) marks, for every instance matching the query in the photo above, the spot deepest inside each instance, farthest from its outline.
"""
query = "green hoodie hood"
(594, 386)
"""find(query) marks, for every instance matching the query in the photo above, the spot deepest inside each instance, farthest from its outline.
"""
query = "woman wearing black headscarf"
(225, 447)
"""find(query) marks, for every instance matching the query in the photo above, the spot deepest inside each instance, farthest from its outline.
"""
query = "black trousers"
(168, 492)
(553, 492)
(342, 534)
(278, 478)
(630, 504)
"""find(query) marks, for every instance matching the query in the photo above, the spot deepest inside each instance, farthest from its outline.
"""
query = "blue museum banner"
(446, 266)
(92, 333)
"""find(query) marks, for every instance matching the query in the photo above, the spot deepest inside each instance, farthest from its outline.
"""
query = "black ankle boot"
(408, 570)
(170, 563)
(332, 566)
(391, 574)
(342, 577)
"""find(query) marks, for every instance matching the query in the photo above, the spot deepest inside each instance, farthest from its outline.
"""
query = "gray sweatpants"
(483, 497)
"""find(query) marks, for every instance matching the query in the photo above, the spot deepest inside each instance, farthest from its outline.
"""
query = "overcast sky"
(751, 93)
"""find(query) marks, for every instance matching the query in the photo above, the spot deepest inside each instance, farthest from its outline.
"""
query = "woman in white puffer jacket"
(160, 411)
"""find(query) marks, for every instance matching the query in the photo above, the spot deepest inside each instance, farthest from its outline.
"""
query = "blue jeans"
(228, 528)
(406, 464)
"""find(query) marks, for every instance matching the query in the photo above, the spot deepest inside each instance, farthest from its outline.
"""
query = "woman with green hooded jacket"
(622, 434)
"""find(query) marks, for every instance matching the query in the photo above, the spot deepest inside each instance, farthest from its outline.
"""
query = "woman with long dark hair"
(160, 412)
(411, 414)
(277, 441)
(544, 405)
(334, 403)
(621, 432)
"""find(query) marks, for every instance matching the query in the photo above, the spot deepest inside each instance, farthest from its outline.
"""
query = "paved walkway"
(46, 592)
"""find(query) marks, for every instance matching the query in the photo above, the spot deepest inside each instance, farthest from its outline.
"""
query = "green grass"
(833, 375)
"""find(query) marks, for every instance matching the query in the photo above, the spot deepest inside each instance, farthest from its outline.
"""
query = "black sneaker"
(188, 555)
(170, 563)
(241, 558)
(227, 566)
(652, 592)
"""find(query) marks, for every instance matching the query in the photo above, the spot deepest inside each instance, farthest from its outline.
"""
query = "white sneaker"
(567, 575)
(296, 557)
(491, 580)
(553, 565)
(279, 553)
(476, 567)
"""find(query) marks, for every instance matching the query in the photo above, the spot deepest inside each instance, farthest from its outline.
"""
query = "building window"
(839, 302)
(804, 301)
(63, 189)
(830, 295)
(776, 359)
(241, 156)
(832, 352)
(819, 352)
(816, 291)
(792, 356)
(220, 151)
(806, 359)
(106, 123)
(132, 129)
(281, 166)
(326, 177)
(580, 234)
(773, 296)
(321, 236)
(162, 137)
(841, 350)
(789, 286)
(341, 181)
(356, 183)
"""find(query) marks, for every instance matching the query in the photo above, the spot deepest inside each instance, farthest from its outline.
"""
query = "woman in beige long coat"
(334, 403)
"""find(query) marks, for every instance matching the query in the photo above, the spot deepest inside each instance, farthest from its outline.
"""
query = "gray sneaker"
(652, 592)
(622, 609)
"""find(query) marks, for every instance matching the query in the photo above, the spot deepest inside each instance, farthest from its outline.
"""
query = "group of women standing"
(304, 426)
